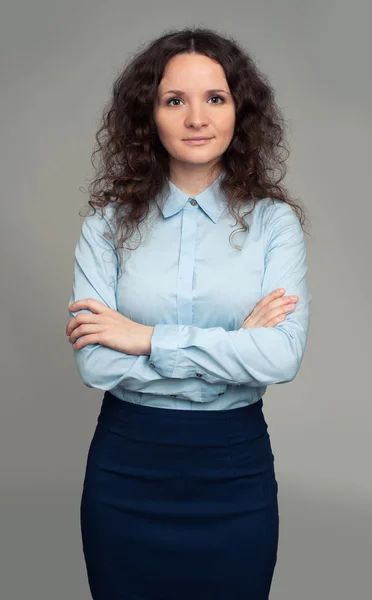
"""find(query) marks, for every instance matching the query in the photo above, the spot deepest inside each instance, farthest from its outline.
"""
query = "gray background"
(58, 60)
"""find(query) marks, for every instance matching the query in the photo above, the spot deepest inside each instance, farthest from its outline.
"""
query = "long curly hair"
(133, 166)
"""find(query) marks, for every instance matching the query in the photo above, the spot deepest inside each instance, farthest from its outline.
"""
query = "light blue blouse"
(187, 280)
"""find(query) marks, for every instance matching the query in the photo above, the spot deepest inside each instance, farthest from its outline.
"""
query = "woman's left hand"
(107, 327)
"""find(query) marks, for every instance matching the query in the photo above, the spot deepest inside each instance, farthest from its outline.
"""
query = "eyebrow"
(180, 92)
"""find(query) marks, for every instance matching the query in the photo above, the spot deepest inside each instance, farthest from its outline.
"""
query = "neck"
(193, 179)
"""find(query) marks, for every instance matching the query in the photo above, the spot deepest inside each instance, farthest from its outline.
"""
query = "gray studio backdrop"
(58, 60)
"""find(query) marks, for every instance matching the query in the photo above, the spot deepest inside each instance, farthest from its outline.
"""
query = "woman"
(180, 495)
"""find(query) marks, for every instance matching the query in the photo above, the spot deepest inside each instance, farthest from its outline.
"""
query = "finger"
(71, 326)
(267, 299)
(92, 328)
(85, 340)
(80, 319)
(271, 314)
(90, 303)
(275, 321)
(272, 300)
(265, 316)
(280, 304)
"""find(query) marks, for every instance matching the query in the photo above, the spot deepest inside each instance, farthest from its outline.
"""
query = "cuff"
(164, 349)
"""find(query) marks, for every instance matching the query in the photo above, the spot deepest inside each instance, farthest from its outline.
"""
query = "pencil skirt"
(179, 504)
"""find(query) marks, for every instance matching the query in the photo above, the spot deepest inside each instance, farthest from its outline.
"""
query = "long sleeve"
(249, 357)
(95, 276)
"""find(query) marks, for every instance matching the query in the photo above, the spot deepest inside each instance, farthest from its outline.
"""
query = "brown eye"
(220, 97)
(171, 100)
(168, 103)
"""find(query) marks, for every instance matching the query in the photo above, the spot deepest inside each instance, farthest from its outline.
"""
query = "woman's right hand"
(270, 311)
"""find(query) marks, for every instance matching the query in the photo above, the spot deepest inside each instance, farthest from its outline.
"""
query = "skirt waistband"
(184, 427)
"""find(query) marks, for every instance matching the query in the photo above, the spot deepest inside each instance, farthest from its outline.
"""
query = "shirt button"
(173, 395)
(220, 393)
(152, 364)
(199, 374)
(193, 202)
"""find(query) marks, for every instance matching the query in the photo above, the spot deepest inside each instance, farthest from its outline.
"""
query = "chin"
(197, 157)
(200, 161)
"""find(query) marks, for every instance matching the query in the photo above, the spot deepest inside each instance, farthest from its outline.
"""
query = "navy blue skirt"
(179, 504)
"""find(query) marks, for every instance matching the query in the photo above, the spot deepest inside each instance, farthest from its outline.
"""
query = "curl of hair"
(133, 165)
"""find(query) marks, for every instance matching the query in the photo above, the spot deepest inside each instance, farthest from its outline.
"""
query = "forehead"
(183, 69)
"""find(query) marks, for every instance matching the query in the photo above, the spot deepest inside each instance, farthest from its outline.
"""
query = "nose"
(196, 117)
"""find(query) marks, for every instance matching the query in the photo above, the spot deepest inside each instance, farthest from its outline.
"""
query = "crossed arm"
(143, 357)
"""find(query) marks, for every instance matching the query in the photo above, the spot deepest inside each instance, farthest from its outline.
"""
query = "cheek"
(165, 124)
(165, 137)
(227, 125)
(165, 133)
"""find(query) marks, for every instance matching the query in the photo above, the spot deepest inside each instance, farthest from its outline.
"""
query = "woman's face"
(194, 100)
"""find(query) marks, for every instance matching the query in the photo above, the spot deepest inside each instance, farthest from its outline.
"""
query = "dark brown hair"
(134, 164)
